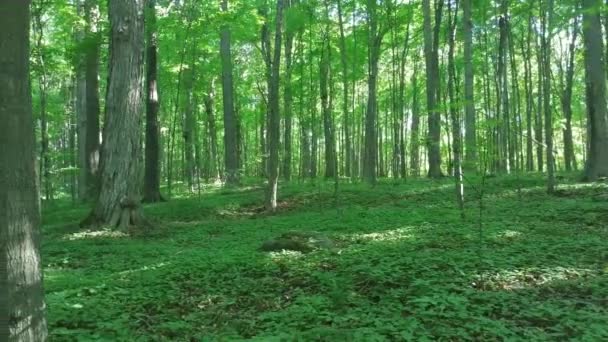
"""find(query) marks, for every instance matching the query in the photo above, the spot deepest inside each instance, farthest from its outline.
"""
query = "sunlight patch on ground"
(92, 234)
(285, 255)
(508, 234)
(529, 278)
(145, 268)
(383, 236)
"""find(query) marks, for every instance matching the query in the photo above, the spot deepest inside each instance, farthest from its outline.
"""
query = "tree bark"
(22, 308)
(230, 122)
(152, 148)
(274, 122)
(288, 100)
(569, 155)
(118, 202)
(546, 24)
(597, 160)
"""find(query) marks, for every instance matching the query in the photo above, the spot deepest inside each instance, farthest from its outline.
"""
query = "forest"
(303, 170)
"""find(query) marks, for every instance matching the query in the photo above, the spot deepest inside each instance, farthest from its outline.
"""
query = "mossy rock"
(304, 242)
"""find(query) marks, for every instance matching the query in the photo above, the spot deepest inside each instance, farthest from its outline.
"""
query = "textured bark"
(597, 160)
(118, 202)
(22, 309)
(80, 106)
(527, 55)
(274, 120)
(92, 143)
(188, 126)
(152, 160)
(469, 90)
(230, 122)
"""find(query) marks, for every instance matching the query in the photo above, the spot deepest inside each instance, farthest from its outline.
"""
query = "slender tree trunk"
(547, 27)
(118, 202)
(152, 149)
(469, 90)
(230, 121)
(45, 159)
(527, 55)
(597, 159)
(288, 100)
(569, 156)
(22, 308)
(274, 123)
(432, 85)
(324, 86)
(415, 135)
(92, 144)
(370, 163)
(348, 157)
(209, 102)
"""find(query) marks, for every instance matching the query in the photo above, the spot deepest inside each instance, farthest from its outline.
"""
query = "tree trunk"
(209, 102)
(546, 25)
(415, 135)
(152, 160)
(22, 308)
(230, 123)
(328, 129)
(118, 202)
(81, 112)
(597, 160)
(569, 155)
(274, 122)
(370, 163)
(288, 100)
(432, 84)
(92, 144)
(469, 90)
(348, 157)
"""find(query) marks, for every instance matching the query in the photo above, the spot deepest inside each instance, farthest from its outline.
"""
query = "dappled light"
(96, 234)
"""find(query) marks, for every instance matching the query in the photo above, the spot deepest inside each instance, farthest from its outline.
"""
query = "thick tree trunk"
(22, 309)
(597, 160)
(230, 122)
(469, 90)
(80, 105)
(152, 160)
(118, 202)
(274, 122)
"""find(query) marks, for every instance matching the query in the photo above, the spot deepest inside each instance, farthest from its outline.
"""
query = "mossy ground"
(406, 268)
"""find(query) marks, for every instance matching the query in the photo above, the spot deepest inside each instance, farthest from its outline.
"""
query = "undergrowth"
(406, 267)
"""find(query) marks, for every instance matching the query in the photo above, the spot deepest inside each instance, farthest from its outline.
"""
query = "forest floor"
(405, 267)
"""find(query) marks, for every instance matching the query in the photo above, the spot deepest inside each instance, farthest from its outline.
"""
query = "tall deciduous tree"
(152, 161)
(92, 143)
(432, 84)
(230, 122)
(597, 160)
(22, 309)
(118, 202)
(274, 120)
(469, 89)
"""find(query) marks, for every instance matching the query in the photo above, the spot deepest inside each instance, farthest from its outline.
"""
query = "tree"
(118, 201)
(21, 291)
(274, 121)
(432, 85)
(152, 160)
(597, 160)
(469, 89)
(230, 120)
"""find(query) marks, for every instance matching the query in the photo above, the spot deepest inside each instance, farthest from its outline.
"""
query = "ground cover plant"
(404, 267)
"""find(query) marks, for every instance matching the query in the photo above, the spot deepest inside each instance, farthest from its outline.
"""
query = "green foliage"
(405, 267)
